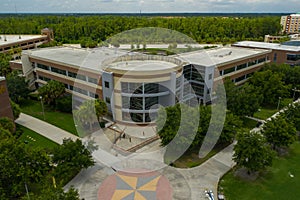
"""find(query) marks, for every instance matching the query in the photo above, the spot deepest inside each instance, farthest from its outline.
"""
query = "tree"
(101, 109)
(252, 152)
(4, 64)
(177, 127)
(271, 85)
(7, 124)
(232, 126)
(292, 114)
(20, 165)
(17, 87)
(70, 158)
(16, 109)
(86, 113)
(51, 91)
(279, 132)
(242, 100)
(51, 193)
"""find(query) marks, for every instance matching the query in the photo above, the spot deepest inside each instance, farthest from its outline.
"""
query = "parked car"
(209, 194)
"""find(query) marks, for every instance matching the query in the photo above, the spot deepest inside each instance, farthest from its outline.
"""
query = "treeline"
(74, 29)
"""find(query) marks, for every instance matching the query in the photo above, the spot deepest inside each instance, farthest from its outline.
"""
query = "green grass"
(35, 140)
(276, 184)
(265, 113)
(191, 158)
(64, 121)
(249, 123)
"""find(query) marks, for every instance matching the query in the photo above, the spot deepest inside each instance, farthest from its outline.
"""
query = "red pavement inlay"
(135, 185)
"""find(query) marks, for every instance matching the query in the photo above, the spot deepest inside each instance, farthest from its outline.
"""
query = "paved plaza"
(136, 175)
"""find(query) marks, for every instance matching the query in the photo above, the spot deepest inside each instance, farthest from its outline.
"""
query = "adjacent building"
(290, 24)
(8, 42)
(133, 84)
(281, 54)
(5, 107)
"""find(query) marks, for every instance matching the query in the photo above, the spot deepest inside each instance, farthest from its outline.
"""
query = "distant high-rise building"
(290, 24)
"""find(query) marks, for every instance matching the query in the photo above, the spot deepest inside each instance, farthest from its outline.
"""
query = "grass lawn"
(276, 184)
(35, 140)
(249, 123)
(64, 121)
(191, 158)
(265, 113)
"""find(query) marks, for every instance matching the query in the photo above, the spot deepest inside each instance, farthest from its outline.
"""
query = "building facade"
(290, 24)
(133, 85)
(5, 107)
(8, 42)
(281, 54)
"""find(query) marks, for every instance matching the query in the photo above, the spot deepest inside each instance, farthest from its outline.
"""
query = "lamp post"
(114, 127)
(278, 103)
(41, 98)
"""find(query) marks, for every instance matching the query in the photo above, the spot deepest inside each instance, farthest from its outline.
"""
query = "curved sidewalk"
(45, 129)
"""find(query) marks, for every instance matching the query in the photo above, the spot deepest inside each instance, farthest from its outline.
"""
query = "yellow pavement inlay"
(150, 186)
(138, 196)
(120, 194)
(131, 181)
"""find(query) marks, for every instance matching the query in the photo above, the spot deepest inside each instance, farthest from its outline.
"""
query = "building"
(5, 107)
(281, 54)
(290, 24)
(8, 42)
(134, 84)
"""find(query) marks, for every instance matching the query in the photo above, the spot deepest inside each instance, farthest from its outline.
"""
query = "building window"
(209, 76)
(227, 71)
(275, 57)
(81, 77)
(92, 80)
(43, 66)
(293, 57)
(58, 71)
(106, 84)
(107, 100)
(239, 67)
(71, 74)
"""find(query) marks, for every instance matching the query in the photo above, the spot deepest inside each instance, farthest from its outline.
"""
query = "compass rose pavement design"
(135, 186)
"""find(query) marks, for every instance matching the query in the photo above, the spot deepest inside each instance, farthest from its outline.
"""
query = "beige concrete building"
(8, 42)
(290, 24)
(134, 85)
(280, 54)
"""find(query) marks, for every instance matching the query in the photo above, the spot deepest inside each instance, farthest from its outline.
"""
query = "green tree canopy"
(16, 109)
(101, 109)
(4, 64)
(252, 152)
(270, 85)
(17, 87)
(7, 124)
(70, 157)
(51, 91)
(279, 132)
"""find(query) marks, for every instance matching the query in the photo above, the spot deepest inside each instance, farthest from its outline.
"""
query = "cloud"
(150, 6)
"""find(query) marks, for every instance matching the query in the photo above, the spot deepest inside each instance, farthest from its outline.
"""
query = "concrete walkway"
(45, 129)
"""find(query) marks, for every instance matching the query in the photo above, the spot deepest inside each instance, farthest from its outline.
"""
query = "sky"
(148, 6)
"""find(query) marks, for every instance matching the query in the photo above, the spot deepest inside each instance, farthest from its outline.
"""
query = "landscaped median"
(62, 120)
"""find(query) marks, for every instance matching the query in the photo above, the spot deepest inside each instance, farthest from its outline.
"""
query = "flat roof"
(265, 45)
(77, 57)
(16, 38)
(220, 56)
(142, 65)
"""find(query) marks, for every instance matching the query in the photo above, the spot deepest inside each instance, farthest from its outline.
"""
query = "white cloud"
(150, 6)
